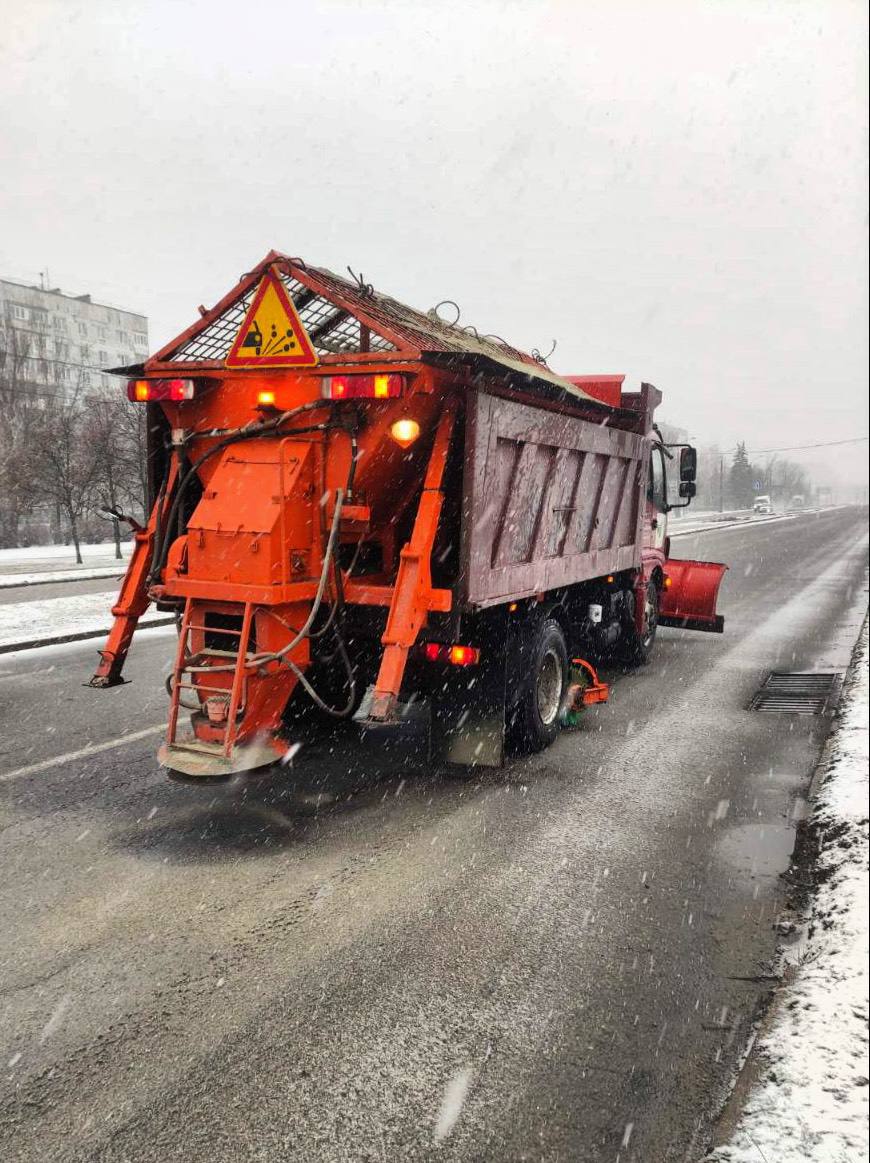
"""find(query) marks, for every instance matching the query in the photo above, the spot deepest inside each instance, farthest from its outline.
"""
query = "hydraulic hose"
(258, 659)
(347, 709)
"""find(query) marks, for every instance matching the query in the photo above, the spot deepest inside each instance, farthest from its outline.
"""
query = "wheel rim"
(651, 614)
(548, 692)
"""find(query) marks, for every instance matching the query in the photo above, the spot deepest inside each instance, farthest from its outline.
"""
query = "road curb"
(802, 887)
(82, 636)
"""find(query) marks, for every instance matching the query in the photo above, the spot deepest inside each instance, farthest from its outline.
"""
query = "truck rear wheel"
(535, 718)
(641, 643)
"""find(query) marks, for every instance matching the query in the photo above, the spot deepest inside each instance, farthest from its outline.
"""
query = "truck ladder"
(229, 700)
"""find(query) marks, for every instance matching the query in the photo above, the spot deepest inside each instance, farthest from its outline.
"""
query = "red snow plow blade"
(690, 593)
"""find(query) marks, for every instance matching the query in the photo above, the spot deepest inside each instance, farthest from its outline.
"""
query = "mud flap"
(688, 600)
(468, 709)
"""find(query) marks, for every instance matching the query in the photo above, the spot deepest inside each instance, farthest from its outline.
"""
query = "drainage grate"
(796, 694)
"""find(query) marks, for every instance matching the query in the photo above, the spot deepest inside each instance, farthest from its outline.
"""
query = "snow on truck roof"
(346, 318)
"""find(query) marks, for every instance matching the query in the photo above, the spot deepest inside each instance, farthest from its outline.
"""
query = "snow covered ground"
(699, 523)
(58, 562)
(810, 1101)
(55, 618)
(10, 581)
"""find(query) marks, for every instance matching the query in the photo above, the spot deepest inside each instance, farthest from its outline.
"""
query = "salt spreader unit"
(355, 505)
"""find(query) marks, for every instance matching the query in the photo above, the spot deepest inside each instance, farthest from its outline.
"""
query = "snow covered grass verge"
(51, 620)
(18, 564)
(10, 581)
(684, 528)
(810, 1101)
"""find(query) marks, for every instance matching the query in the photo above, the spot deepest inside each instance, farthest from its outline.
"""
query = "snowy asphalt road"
(551, 962)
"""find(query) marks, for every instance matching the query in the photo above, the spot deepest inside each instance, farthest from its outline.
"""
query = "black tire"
(640, 646)
(534, 722)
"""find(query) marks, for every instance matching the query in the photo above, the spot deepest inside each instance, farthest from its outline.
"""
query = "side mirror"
(688, 489)
(688, 467)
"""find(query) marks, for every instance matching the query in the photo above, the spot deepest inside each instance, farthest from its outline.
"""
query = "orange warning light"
(455, 655)
(265, 399)
(405, 432)
(464, 655)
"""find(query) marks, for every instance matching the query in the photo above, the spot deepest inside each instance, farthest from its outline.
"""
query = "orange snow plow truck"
(355, 505)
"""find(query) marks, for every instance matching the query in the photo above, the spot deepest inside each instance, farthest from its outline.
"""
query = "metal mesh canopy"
(331, 329)
(344, 318)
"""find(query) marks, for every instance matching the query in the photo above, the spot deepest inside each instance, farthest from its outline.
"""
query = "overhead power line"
(802, 447)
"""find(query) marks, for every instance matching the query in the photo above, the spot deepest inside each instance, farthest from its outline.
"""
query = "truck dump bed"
(548, 500)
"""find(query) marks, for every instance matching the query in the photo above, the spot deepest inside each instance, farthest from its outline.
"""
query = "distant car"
(797, 502)
(762, 504)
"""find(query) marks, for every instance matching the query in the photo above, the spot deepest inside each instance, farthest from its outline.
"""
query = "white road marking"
(82, 753)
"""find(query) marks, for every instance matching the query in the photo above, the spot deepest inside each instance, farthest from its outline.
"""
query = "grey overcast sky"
(675, 190)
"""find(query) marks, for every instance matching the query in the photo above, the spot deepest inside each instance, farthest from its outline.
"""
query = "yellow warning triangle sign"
(271, 334)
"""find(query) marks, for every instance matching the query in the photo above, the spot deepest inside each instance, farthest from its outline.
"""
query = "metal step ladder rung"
(187, 664)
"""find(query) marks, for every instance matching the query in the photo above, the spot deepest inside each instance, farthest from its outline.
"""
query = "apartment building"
(54, 345)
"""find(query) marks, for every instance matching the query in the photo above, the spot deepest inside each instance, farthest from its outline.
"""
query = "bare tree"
(65, 463)
(19, 409)
(118, 437)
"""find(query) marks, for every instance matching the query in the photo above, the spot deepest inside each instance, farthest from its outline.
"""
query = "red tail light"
(455, 655)
(144, 391)
(377, 387)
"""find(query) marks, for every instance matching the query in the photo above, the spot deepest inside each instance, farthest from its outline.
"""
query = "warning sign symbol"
(271, 334)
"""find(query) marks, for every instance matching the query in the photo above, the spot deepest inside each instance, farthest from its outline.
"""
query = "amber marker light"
(265, 399)
(145, 391)
(405, 432)
(464, 655)
(455, 655)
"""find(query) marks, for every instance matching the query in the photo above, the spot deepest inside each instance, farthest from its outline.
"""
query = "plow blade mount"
(689, 598)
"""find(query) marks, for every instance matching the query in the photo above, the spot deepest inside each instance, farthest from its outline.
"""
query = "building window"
(140, 339)
(103, 332)
(59, 323)
(102, 357)
(86, 351)
(18, 312)
(83, 329)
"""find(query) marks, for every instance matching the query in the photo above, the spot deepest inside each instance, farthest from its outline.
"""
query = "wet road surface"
(360, 959)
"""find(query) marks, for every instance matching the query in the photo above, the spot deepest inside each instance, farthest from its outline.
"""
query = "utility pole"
(769, 474)
(721, 484)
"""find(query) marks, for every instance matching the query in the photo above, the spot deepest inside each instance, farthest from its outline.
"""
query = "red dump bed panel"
(549, 500)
